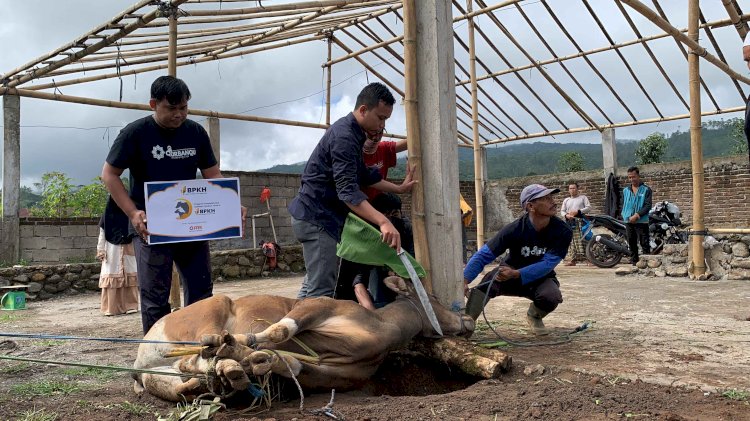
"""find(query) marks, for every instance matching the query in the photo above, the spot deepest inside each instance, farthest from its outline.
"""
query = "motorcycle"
(606, 249)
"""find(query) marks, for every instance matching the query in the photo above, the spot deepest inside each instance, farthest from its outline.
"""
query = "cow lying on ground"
(349, 340)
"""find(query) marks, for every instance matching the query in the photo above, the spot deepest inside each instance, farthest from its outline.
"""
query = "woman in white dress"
(117, 279)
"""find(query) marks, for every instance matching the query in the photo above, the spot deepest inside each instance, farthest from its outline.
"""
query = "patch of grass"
(8, 317)
(45, 388)
(736, 395)
(96, 373)
(133, 408)
(37, 415)
(15, 368)
(48, 342)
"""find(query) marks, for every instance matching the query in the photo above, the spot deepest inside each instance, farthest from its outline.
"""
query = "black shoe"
(634, 261)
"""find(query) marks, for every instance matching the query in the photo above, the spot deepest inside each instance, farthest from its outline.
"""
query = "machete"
(421, 293)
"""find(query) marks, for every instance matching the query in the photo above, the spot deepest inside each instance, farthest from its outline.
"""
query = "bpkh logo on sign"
(193, 190)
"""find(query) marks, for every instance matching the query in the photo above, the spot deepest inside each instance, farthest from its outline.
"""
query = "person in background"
(636, 203)
(571, 208)
(117, 279)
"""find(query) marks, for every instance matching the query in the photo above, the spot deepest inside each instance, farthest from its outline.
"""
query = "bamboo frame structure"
(522, 93)
(414, 142)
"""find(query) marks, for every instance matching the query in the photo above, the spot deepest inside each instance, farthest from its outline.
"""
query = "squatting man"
(536, 243)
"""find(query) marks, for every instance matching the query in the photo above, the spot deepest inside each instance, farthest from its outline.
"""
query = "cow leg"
(306, 314)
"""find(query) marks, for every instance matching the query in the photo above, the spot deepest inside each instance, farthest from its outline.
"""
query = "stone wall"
(47, 281)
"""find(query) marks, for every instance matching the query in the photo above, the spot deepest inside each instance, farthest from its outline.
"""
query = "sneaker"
(570, 263)
(108, 314)
(131, 311)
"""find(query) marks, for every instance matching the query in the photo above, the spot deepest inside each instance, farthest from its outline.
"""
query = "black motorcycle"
(607, 250)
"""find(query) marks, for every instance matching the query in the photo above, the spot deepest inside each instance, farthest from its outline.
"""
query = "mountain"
(518, 160)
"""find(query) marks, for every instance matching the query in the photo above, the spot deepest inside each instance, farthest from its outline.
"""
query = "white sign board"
(192, 210)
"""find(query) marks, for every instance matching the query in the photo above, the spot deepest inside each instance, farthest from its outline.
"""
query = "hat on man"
(534, 191)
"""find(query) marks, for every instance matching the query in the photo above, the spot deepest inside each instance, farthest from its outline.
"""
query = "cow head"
(453, 323)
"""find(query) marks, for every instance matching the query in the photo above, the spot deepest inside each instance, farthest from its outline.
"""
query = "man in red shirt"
(383, 156)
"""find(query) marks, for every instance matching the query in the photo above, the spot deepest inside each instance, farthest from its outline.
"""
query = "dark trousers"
(637, 233)
(545, 292)
(154, 265)
(747, 125)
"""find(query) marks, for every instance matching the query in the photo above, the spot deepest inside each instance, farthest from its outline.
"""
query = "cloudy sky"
(284, 83)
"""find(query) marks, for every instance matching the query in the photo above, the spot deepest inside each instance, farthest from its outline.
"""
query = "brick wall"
(58, 240)
(727, 187)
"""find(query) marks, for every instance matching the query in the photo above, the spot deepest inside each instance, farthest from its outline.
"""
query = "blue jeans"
(321, 262)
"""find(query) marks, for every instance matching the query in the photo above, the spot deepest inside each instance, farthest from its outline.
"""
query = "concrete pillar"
(437, 121)
(609, 152)
(214, 133)
(9, 237)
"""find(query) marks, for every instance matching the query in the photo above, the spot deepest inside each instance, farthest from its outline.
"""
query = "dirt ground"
(660, 348)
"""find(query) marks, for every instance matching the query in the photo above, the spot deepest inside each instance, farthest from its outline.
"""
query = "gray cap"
(534, 191)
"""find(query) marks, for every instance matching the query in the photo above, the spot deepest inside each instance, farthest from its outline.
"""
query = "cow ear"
(397, 284)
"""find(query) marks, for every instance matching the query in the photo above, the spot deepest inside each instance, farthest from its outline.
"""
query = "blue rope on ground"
(83, 338)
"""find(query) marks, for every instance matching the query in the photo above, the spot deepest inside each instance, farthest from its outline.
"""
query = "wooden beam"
(478, 182)
(696, 141)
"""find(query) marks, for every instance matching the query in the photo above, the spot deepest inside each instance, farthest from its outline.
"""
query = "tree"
(89, 200)
(56, 193)
(651, 149)
(737, 133)
(570, 162)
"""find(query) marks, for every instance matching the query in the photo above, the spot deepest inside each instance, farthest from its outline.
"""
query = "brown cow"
(350, 340)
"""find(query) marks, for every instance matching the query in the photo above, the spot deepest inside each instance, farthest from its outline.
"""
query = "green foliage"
(571, 162)
(89, 200)
(93, 372)
(736, 395)
(59, 198)
(737, 133)
(651, 149)
(44, 388)
(15, 368)
(37, 415)
(56, 195)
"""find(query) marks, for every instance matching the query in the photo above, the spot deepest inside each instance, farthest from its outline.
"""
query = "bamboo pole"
(281, 7)
(175, 299)
(172, 55)
(289, 25)
(414, 145)
(164, 66)
(400, 38)
(689, 42)
(586, 53)
(163, 57)
(109, 40)
(727, 230)
(568, 99)
(735, 18)
(369, 68)
(696, 145)
(615, 125)
(79, 41)
(682, 49)
(328, 83)
(478, 182)
(144, 107)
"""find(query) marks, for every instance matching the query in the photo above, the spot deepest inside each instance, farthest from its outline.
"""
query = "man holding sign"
(165, 146)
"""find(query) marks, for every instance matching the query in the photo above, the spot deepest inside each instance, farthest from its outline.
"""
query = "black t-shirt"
(153, 153)
(526, 246)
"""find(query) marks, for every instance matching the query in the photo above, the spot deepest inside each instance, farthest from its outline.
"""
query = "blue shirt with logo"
(533, 253)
